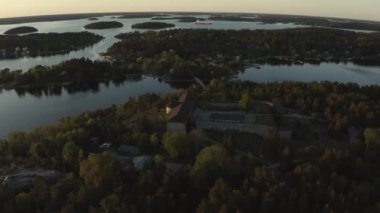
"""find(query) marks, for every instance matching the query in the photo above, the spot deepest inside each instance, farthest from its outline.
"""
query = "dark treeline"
(302, 20)
(219, 175)
(250, 44)
(179, 18)
(320, 21)
(73, 75)
(199, 51)
(44, 44)
(103, 25)
(231, 18)
(152, 25)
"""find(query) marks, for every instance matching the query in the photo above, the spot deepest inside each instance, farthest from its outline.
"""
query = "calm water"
(28, 111)
(344, 73)
(109, 34)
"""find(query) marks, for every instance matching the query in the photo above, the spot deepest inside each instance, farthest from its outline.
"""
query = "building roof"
(141, 161)
(182, 112)
(227, 117)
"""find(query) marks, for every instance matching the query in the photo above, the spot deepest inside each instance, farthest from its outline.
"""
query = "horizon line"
(205, 12)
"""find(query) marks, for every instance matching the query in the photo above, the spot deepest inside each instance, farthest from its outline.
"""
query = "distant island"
(137, 15)
(93, 19)
(103, 25)
(152, 25)
(179, 18)
(21, 30)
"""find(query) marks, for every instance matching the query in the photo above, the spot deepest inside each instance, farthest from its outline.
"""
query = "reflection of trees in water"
(87, 87)
(91, 86)
(180, 84)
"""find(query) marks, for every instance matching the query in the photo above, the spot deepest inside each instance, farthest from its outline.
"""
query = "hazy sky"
(359, 9)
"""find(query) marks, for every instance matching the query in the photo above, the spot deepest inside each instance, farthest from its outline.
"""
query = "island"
(93, 19)
(138, 15)
(44, 44)
(152, 25)
(231, 18)
(21, 30)
(180, 18)
(103, 25)
(182, 53)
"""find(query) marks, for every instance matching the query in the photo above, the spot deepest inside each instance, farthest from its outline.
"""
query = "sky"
(356, 9)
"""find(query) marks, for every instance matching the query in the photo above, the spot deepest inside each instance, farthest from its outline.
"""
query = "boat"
(204, 22)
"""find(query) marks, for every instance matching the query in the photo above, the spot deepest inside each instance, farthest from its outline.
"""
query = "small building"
(180, 113)
(129, 150)
(141, 162)
(105, 146)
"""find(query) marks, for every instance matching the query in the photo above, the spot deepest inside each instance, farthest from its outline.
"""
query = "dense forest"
(103, 25)
(199, 51)
(222, 172)
(73, 75)
(44, 44)
(341, 105)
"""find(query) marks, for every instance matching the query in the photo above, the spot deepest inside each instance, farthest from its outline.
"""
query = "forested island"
(146, 169)
(152, 25)
(138, 15)
(74, 75)
(179, 18)
(20, 30)
(198, 52)
(44, 44)
(231, 18)
(103, 25)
